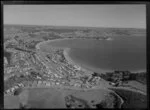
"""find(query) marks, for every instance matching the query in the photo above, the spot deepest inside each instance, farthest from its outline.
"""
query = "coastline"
(88, 67)
(91, 68)
(82, 66)
(68, 58)
(66, 54)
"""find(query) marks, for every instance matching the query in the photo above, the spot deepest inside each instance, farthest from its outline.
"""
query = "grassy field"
(11, 102)
(48, 98)
(56, 98)
(136, 85)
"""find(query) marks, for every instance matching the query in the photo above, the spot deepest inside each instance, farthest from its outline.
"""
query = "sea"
(120, 53)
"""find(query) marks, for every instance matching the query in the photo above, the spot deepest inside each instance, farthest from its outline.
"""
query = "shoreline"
(68, 58)
(66, 55)
(91, 68)
(66, 51)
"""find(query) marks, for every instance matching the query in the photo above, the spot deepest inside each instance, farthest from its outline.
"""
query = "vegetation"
(123, 76)
(18, 91)
(111, 101)
(141, 77)
(132, 99)
(24, 39)
(74, 102)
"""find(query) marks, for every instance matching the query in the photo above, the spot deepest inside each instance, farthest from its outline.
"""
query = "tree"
(17, 91)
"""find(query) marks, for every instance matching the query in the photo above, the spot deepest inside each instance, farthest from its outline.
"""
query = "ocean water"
(121, 53)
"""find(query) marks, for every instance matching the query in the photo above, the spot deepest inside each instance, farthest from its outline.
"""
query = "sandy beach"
(68, 58)
(88, 67)
(83, 66)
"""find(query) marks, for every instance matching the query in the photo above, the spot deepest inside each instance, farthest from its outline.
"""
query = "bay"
(121, 53)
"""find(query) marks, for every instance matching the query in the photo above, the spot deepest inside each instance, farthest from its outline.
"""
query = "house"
(57, 83)
(12, 89)
(8, 91)
(5, 61)
(122, 75)
(126, 75)
(39, 82)
(52, 83)
(77, 84)
(16, 87)
(38, 77)
(34, 83)
(44, 82)
(77, 67)
(48, 84)
(27, 73)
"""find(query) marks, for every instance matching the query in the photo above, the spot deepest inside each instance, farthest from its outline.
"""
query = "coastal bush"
(18, 91)
(102, 104)
(74, 102)
(24, 106)
(141, 77)
(131, 99)
(110, 101)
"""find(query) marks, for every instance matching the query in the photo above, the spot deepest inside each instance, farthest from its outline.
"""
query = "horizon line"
(75, 26)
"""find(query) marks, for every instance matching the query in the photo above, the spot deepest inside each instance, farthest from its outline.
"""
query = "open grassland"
(64, 98)
(11, 102)
(136, 85)
(69, 98)
(45, 98)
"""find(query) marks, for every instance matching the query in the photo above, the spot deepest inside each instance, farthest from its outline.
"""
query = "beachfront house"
(77, 67)
(122, 75)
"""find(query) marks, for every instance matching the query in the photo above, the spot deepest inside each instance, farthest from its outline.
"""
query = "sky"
(125, 16)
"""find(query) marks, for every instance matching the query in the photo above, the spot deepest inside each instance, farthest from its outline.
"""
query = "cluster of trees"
(122, 76)
(110, 102)
(141, 77)
(74, 102)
